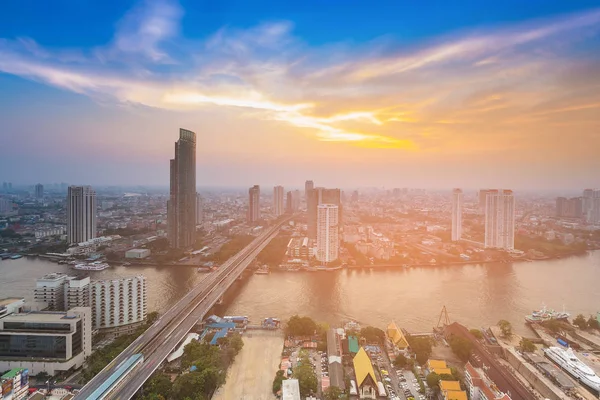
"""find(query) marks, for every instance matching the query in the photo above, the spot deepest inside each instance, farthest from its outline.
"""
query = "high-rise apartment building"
(114, 303)
(457, 204)
(328, 241)
(319, 196)
(482, 200)
(591, 206)
(278, 200)
(569, 208)
(292, 203)
(181, 207)
(6, 206)
(500, 219)
(308, 186)
(253, 204)
(39, 191)
(81, 214)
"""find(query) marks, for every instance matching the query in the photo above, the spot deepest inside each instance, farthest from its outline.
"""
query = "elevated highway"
(167, 332)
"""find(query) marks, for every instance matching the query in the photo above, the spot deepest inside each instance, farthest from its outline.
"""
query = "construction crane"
(444, 320)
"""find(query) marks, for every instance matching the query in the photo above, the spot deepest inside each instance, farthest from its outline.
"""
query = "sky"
(429, 94)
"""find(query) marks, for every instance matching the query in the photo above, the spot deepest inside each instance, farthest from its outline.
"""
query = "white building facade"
(500, 219)
(328, 241)
(457, 205)
(81, 214)
(118, 303)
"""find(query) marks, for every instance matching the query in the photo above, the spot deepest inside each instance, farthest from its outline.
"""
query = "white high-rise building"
(327, 232)
(81, 214)
(278, 201)
(114, 303)
(591, 206)
(500, 219)
(118, 302)
(457, 204)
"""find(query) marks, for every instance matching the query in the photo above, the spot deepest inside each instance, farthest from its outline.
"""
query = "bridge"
(166, 333)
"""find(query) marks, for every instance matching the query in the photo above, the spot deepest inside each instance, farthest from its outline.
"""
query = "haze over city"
(504, 95)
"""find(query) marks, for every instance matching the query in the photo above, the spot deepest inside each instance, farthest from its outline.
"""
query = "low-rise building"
(290, 389)
(14, 384)
(365, 375)
(137, 253)
(46, 341)
(480, 387)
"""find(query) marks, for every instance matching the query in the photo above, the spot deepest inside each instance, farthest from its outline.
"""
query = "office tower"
(81, 214)
(199, 210)
(327, 232)
(319, 196)
(181, 207)
(278, 200)
(48, 341)
(39, 191)
(482, 200)
(253, 204)
(500, 219)
(292, 203)
(457, 204)
(308, 186)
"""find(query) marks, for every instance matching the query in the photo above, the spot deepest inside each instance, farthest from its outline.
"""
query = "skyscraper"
(81, 214)
(327, 233)
(500, 219)
(308, 186)
(181, 207)
(457, 204)
(39, 191)
(278, 200)
(253, 204)
(569, 208)
(319, 196)
(292, 203)
(482, 200)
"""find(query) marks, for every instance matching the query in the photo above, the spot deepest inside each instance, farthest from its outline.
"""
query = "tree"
(159, 385)
(477, 333)
(580, 322)
(373, 335)
(448, 377)
(400, 361)
(332, 393)
(421, 347)
(307, 379)
(593, 323)
(433, 380)
(461, 347)
(301, 326)
(505, 327)
(277, 381)
(527, 345)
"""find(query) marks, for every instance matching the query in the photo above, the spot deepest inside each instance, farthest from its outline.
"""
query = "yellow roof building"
(435, 364)
(455, 395)
(449, 386)
(363, 367)
(396, 336)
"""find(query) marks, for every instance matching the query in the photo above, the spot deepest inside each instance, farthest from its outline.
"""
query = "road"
(166, 333)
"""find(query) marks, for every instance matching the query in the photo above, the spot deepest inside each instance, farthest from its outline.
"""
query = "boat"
(544, 314)
(568, 361)
(264, 270)
(16, 257)
(126, 264)
(94, 266)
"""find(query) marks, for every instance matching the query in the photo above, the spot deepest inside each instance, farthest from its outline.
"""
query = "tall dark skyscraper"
(308, 186)
(81, 214)
(316, 197)
(181, 207)
(254, 204)
(39, 191)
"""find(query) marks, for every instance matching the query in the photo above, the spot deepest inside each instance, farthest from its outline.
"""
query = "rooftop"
(53, 276)
(290, 389)
(41, 316)
(449, 385)
(363, 367)
(10, 300)
(12, 373)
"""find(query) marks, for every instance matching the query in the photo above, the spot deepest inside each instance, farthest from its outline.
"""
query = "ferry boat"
(16, 257)
(263, 270)
(546, 315)
(94, 266)
(567, 360)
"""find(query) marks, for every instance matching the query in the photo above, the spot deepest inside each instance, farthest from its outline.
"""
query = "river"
(475, 295)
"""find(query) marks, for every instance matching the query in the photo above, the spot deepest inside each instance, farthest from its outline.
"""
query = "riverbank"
(251, 375)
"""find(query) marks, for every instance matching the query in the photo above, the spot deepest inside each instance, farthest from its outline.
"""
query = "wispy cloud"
(436, 95)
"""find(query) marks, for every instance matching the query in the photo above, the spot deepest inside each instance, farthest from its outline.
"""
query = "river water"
(475, 295)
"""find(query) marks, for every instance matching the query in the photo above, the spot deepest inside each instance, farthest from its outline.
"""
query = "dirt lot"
(251, 375)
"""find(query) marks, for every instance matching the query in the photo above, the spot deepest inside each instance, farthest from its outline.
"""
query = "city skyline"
(500, 74)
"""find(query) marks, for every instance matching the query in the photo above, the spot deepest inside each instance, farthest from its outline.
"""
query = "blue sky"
(344, 92)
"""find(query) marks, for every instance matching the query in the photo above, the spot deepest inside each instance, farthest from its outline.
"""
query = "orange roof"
(396, 336)
(432, 364)
(449, 385)
(363, 367)
(455, 395)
